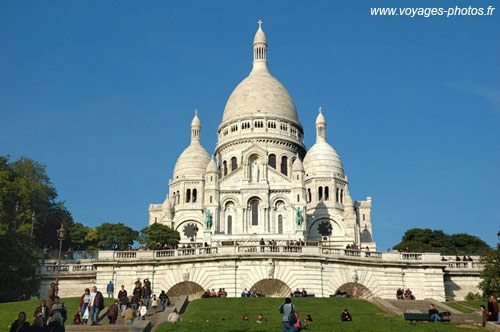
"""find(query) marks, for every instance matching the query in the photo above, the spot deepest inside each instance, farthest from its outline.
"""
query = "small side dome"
(323, 160)
(297, 165)
(193, 161)
(212, 166)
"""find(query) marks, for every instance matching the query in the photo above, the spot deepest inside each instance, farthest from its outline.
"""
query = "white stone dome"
(260, 91)
(193, 161)
(322, 160)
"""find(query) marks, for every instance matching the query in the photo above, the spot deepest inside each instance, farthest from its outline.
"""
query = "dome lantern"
(260, 49)
(320, 126)
(195, 127)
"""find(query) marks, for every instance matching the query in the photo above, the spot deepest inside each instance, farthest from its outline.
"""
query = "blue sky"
(103, 93)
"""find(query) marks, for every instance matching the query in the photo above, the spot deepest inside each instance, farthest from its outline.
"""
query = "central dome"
(260, 92)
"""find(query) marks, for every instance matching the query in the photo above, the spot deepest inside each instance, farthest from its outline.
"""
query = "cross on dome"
(260, 24)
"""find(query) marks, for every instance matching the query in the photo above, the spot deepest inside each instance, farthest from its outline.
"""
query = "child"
(485, 315)
(76, 319)
(154, 303)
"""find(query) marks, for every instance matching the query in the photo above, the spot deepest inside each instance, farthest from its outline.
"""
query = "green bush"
(473, 297)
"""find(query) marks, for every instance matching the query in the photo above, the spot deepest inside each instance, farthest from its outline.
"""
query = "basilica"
(262, 182)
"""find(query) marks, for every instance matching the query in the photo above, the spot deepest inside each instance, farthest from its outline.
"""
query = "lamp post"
(61, 235)
(17, 213)
(32, 222)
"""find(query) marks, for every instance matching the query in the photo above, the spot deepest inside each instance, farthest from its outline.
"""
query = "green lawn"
(459, 307)
(10, 310)
(475, 304)
(208, 315)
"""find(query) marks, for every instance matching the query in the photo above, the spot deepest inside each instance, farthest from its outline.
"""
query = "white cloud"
(490, 93)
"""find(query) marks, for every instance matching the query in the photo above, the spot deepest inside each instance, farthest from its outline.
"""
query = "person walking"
(42, 311)
(96, 304)
(113, 312)
(123, 298)
(163, 298)
(20, 324)
(110, 289)
(288, 319)
(146, 292)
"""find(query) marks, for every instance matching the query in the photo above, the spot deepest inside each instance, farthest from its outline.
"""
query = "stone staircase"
(152, 320)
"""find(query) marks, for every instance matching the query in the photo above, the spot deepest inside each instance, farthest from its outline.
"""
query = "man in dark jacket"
(146, 292)
(113, 313)
(123, 298)
(96, 305)
(345, 316)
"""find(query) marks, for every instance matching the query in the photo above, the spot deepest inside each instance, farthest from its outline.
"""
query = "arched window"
(327, 193)
(194, 195)
(234, 164)
(178, 197)
(224, 166)
(272, 160)
(320, 193)
(342, 196)
(284, 165)
(280, 224)
(254, 208)
(298, 198)
(337, 195)
(210, 199)
(188, 195)
(309, 198)
(229, 225)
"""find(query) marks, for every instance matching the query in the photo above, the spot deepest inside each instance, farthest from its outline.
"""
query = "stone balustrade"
(50, 268)
(465, 265)
(256, 249)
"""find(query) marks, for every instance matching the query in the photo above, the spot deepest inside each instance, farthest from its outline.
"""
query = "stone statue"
(255, 172)
(208, 219)
(298, 217)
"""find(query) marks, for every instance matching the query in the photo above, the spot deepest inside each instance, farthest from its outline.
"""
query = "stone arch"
(271, 288)
(191, 289)
(229, 198)
(280, 197)
(362, 291)
(313, 233)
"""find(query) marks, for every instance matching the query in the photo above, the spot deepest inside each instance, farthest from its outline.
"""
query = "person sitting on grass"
(245, 317)
(434, 313)
(345, 316)
(42, 311)
(76, 318)
(174, 317)
(245, 293)
(37, 325)
(20, 324)
(299, 325)
(56, 323)
(308, 319)
(261, 319)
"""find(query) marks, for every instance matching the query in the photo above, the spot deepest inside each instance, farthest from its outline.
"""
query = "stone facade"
(272, 270)
(262, 176)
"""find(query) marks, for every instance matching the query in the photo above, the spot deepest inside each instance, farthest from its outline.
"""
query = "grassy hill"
(226, 315)
(10, 310)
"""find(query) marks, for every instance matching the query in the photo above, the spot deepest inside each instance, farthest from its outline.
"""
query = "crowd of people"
(212, 293)
(52, 314)
(457, 259)
(402, 294)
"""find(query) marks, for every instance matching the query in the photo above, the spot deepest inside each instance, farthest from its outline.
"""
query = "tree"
(427, 240)
(158, 233)
(490, 283)
(115, 236)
